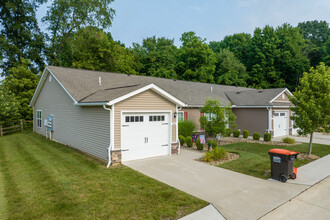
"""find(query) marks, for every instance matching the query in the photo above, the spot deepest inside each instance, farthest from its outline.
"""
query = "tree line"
(75, 37)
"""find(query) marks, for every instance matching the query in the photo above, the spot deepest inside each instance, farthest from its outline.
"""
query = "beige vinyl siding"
(145, 101)
(84, 128)
(280, 99)
(252, 119)
(193, 114)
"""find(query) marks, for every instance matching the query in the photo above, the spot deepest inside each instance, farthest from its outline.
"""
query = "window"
(134, 118)
(209, 116)
(276, 114)
(282, 114)
(157, 118)
(180, 116)
(39, 119)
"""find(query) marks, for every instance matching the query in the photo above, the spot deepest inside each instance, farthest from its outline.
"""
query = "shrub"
(216, 154)
(214, 144)
(256, 136)
(182, 139)
(267, 137)
(236, 133)
(186, 128)
(246, 134)
(227, 132)
(199, 145)
(189, 141)
(289, 140)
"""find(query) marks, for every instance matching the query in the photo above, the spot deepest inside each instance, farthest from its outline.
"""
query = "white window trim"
(39, 119)
(181, 112)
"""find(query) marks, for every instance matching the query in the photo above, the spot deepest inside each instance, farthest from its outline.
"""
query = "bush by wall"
(214, 144)
(246, 134)
(289, 140)
(267, 137)
(182, 139)
(216, 154)
(189, 141)
(186, 128)
(199, 145)
(256, 136)
(236, 133)
(227, 132)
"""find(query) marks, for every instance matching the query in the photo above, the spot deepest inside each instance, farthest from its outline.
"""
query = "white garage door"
(281, 124)
(144, 135)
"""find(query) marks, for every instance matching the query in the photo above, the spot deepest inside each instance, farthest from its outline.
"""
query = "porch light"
(175, 114)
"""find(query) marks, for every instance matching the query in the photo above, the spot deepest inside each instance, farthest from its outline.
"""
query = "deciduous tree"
(21, 83)
(65, 17)
(312, 102)
(219, 117)
(196, 61)
(20, 34)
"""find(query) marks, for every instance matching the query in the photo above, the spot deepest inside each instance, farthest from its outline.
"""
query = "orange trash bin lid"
(283, 151)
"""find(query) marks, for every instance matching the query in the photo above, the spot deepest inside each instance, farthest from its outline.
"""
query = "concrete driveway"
(235, 195)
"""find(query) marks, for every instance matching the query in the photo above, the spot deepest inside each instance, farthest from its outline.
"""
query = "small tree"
(312, 102)
(9, 108)
(220, 117)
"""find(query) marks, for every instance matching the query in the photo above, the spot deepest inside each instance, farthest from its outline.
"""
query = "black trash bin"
(282, 164)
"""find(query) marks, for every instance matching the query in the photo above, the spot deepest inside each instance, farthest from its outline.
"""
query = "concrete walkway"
(235, 195)
(318, 138)
(209, 212)
(314, 203)
(313, 172)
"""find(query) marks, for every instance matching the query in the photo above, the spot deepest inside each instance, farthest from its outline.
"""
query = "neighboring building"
(122, 117)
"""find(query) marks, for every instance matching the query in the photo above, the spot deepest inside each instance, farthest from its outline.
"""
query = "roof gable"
(263, 97)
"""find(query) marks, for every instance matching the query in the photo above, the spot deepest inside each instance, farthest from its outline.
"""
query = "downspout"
(177, 128)
(110, 145)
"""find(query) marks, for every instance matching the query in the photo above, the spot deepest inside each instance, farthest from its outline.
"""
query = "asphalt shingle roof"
(260, 97)
(84, 86)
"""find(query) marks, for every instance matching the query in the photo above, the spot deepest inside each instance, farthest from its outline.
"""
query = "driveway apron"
(235, 195)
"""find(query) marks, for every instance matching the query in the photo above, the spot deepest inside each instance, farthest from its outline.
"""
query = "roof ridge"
(153, 77)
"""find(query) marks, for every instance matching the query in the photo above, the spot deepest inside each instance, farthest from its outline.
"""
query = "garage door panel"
(148, 138)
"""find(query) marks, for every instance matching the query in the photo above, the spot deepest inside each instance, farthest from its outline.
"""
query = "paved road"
(235, 195)
(318, 138)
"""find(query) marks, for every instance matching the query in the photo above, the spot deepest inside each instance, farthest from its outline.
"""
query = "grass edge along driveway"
(254, 159)
(44, 179)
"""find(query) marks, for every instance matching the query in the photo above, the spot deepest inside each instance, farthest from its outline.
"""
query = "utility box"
(50, 122)
(282, 164)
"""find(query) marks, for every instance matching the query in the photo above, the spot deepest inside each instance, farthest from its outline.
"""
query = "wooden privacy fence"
(15, 128)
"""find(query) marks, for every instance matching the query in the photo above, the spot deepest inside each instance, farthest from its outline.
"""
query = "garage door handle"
(164, 145)
(125, 125)
(165, 124)
(125, 150)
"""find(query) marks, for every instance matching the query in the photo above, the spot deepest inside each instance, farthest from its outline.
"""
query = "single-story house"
(123, 117)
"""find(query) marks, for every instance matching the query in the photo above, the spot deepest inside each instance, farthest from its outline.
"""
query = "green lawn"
(43, 179)
(254, 159)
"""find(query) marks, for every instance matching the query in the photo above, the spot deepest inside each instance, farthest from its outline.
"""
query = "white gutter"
(90, 103)
(111, 137)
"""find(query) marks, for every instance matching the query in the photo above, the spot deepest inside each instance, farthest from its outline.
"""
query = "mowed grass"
(254, 159)
(40, 179)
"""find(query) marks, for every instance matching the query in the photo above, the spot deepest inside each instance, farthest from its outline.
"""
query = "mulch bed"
(232, 140)
(230, 157)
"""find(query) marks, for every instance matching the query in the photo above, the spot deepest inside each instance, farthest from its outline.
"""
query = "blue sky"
(210, 19)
